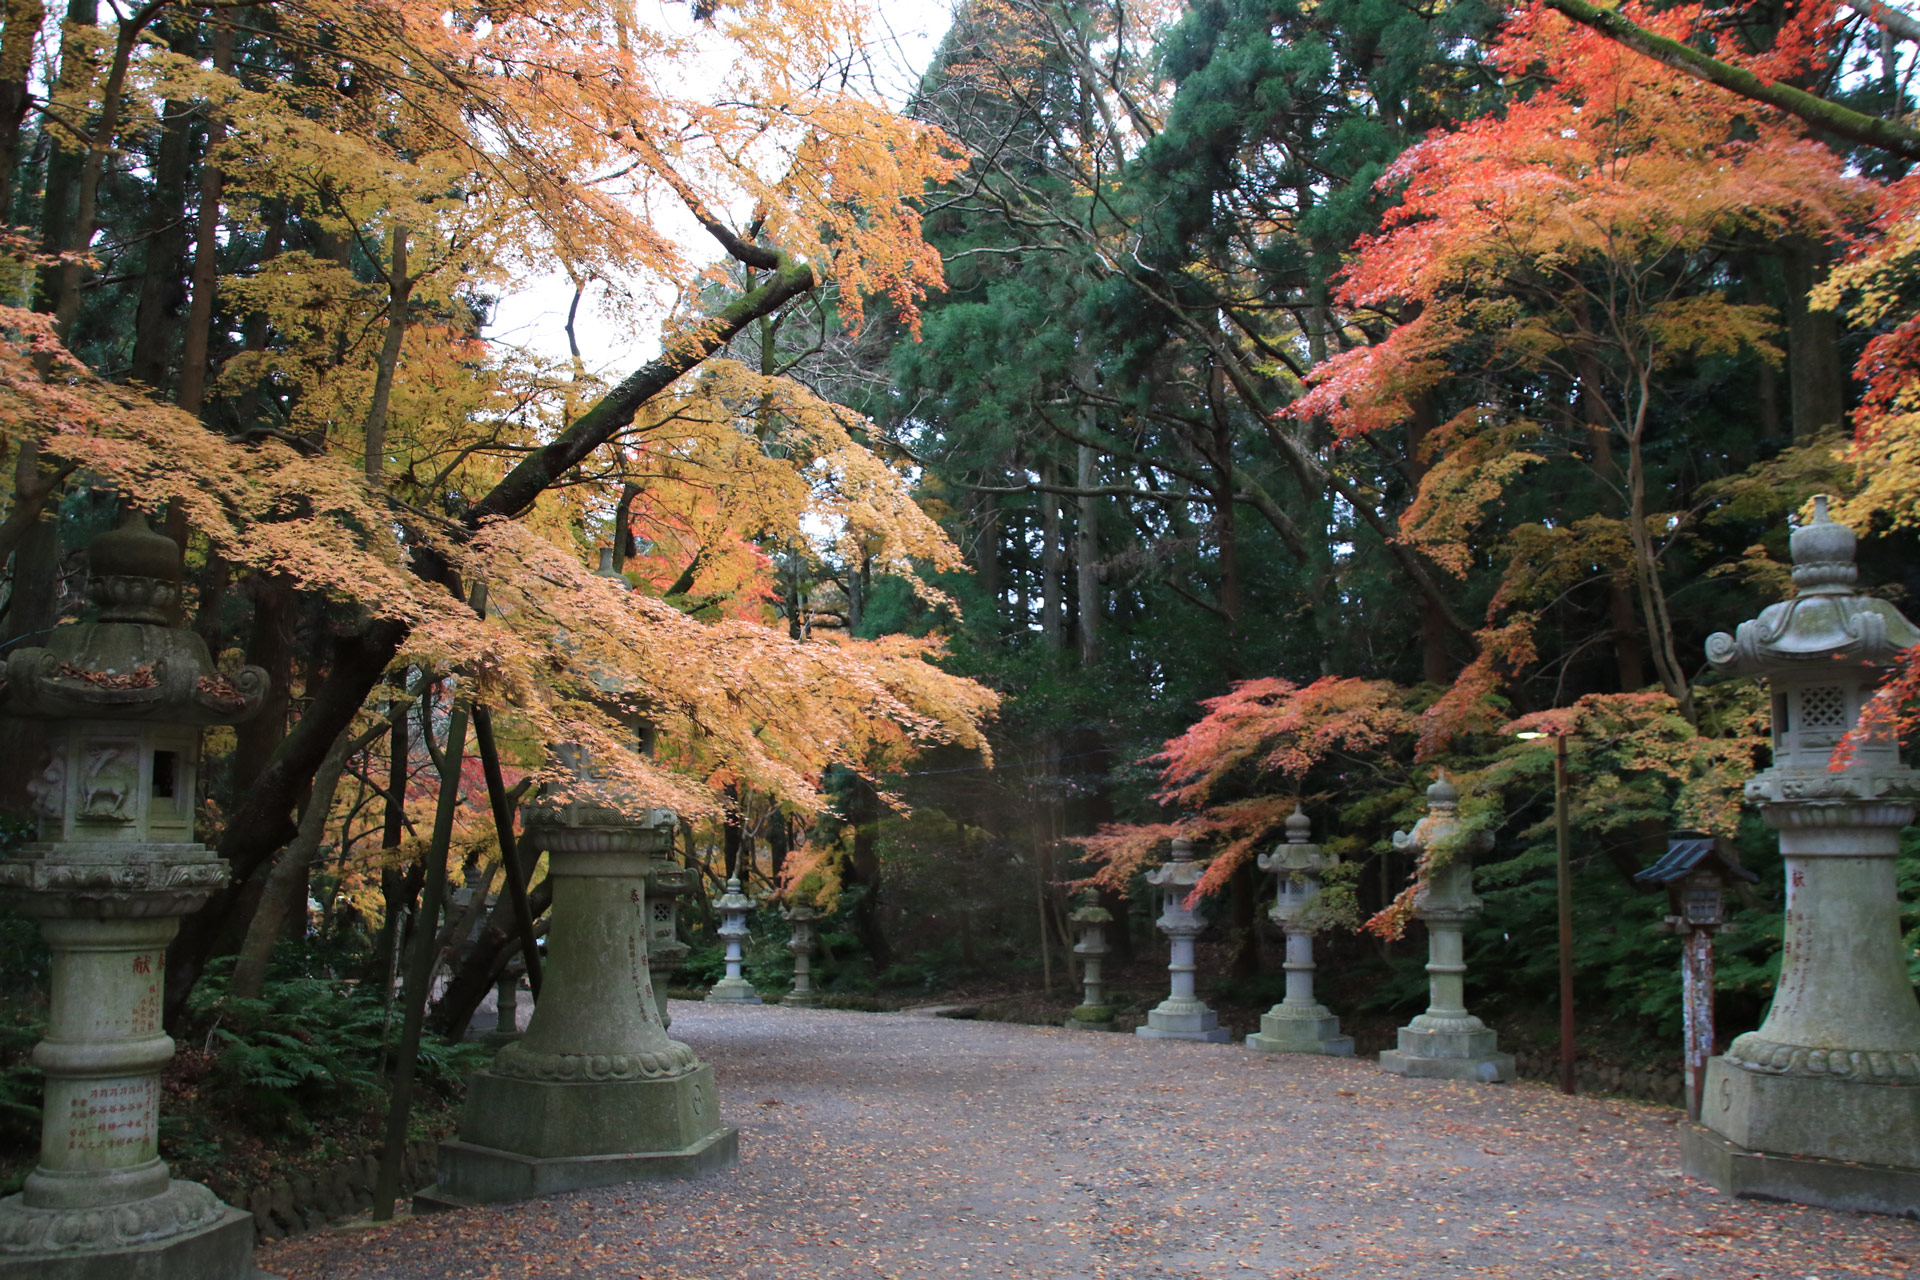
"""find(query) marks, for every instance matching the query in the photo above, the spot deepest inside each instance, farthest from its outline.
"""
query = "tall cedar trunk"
(1815, 371)
(68, 157)
(30, 614)
(195, 344)
(862, 870)
(1052, 566)
(986, 528)
(24, 18)
(1086, 554)
(163, 287)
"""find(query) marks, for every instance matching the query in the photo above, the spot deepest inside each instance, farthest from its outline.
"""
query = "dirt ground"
(892, 1145)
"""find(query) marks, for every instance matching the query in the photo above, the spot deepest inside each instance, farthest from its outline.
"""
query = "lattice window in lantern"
(662, 912)
(1823, 708)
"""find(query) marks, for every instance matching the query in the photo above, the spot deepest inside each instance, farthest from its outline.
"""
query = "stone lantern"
(1092, 1013)
(1821, 1105)
(1299, 1023)
(667, 883)
(595, 1092)
(1182, 1015)
(1446, 1042)
(125, 698)
(801, 916)
(733, 906)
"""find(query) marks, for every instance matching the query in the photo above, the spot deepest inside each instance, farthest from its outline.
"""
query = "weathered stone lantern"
(1821, 1105)
(125, 698)
(1446, 1042)
(1182, 1015)
(1092, 1013)
(595, 1092)
(1299, 1023)
(667, 883)
(733, 906)
(1694, 873)
(801, 916)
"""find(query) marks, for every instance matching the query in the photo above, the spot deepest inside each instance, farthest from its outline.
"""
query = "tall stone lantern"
(1446, 1042)
(595, 1092)
(1093, 1013)
(1182, 1015)
(125, 698)
(733, 906)
(1821, 1105)
(802, 917)
(1299, 1023)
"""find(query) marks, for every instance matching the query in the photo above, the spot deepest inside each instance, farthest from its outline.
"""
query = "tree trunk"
(1086, 554)
(399, 290)
(1052, 566)
(195, 345)
(65, 162)
(271, 646)
(288, 876)
(24, 18)
(484, 963)
(162, 287)
(1816, 373)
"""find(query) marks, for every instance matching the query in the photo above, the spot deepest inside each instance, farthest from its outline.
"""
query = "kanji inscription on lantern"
(111, 1116)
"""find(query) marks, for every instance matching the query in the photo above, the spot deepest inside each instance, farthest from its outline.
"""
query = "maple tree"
(370, 177)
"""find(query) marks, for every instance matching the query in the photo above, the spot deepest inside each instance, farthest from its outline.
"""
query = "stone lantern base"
(524, 1137)
(798, 1000)
(1830, 1184)
(1448, 1052)
(1311, 1030)
(1174, 1019)
(1090, 1017)
(1835, 1140)
(221, 1249)
(733, 991)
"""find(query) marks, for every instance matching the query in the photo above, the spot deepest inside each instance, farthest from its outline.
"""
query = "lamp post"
(1563, 884)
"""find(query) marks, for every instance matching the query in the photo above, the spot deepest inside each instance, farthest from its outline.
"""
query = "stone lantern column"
(1833, 1073)
(1182, 1015)
(1092, 1013)
(595, 1092)
(733, 906)
(1299, 1023)
(1446, 1042)
(116, 866)
(801, 916)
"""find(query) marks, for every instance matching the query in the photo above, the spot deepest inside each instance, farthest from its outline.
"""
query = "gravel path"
(886, 1145)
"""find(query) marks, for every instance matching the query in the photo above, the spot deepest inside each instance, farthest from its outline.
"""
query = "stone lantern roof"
(1826, 620)
(1181, 873)
(134, 661)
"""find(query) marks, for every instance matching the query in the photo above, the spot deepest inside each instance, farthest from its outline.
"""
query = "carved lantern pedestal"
(801, 916)
(1821, 1105)
(733, 906)
(595, 1092)
(1299, 1023)
(1092, 1013)
(1182, 1015)
(1446, 1042)
(116, 866)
